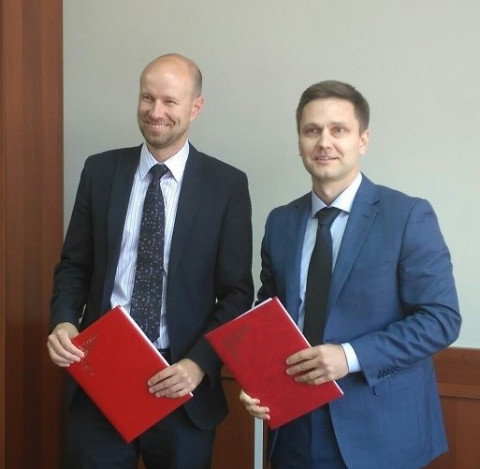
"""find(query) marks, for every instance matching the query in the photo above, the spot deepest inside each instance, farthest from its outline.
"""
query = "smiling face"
(167, 104)
(330, 144)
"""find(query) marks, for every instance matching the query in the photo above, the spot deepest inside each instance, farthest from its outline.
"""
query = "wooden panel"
(458, 376)
(458, 372)
(2, 262)
(234, 439)
(32, 201)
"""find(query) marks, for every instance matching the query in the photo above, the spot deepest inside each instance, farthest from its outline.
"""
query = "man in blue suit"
(206, 272)
(391, 304)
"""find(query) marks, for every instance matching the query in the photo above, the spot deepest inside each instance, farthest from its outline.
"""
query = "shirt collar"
(175, 164)
(343, 202)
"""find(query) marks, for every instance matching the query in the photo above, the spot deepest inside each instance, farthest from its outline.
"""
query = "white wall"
(416, 61)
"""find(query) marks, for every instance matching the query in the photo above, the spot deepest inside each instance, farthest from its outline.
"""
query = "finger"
(67, 355)
(260, 414)
(262, 417)
(64, 348)
(310, 378)
(313, 377)
(302, 355)
(302, 367)
(168, 391)
(173, 393)
(165, 385)
(259, 410)
(247, 400)
(162, 375)
(61, 356)
(58, 359)
(69, 347)
(174, 389)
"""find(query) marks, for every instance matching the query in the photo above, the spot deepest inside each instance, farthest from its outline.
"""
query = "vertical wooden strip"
(31, 232)
(234, 441)
(51, 144)
(14, 230)
(2, 255)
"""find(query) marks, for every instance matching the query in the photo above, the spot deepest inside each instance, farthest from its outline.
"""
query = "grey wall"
(415, 61)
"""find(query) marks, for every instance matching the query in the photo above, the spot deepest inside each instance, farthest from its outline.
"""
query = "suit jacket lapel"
(121, 188)
(191, 192)
(295, 234)
(361, 217)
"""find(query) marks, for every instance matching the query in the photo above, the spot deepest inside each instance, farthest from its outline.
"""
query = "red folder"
(119, 360)
(254, 346)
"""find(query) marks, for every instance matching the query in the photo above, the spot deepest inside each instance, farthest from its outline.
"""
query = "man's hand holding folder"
(256, 346)
(313, 365)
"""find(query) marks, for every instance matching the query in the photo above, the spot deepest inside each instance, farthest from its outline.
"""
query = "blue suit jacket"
(393, 298)
(209, 278)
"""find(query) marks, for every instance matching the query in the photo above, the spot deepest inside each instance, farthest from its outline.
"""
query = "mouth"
(324, 158)
(156, 126)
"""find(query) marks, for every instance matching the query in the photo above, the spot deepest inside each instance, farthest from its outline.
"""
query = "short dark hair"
(336, 89)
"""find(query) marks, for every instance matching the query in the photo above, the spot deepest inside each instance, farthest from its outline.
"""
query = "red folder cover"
(119, 360)
(254, 346)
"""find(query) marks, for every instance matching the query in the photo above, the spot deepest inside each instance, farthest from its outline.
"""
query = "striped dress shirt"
(171, 185)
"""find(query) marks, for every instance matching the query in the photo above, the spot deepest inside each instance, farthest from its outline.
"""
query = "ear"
(364, 141)
(197, 107)
(299, 145)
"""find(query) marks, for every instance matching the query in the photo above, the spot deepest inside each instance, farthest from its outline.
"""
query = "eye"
(311, 131)
(170, 102)
(339, 130)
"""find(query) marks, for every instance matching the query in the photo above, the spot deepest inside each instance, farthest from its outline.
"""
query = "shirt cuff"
(352, 360)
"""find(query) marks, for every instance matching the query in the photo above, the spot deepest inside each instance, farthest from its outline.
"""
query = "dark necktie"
(319, 277)
(147, 289)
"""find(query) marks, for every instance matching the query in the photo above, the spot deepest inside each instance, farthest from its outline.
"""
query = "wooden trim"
(226, 373)
(455, 390)
(458, 372)
(234, 442)
(458, 377)
(31, 190)
(2, 253)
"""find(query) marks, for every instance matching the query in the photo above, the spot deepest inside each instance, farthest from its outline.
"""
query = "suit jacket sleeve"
(72, 276)
(268, 287)
(428, 299)
(80, 278)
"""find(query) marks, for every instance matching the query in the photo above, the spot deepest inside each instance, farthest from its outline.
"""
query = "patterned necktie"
(319, 277)
(147, 289)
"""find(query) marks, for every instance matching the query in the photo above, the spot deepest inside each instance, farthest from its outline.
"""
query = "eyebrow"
(329, 124)
(338, 123)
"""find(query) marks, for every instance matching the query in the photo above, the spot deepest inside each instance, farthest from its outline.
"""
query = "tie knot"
(327, 215)
(157, 171)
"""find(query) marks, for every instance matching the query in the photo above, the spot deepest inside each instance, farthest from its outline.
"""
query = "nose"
(324, 140)
(157, 109)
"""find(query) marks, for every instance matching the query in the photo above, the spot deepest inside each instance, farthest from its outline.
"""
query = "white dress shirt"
(171, 184)
(344, 203)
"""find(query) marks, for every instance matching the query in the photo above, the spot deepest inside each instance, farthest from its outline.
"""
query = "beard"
(162, 138)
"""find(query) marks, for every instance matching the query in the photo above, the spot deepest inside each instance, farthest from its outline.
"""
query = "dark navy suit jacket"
(209, 278)
(393, 298)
